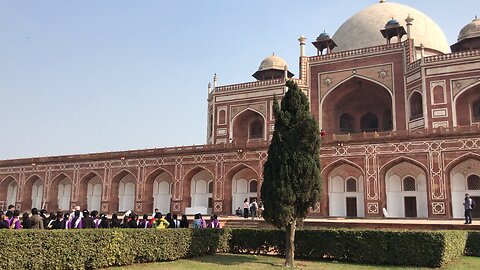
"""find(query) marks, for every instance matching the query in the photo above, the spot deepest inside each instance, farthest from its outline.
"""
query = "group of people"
(93, 220)
(252, 209)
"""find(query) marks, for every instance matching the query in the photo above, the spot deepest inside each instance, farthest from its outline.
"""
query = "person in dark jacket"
(66, 222)
(115, 221)
(184, 222)
(3, 221)
(26, 222)
(87, 221)
(104, 223)
(125, 222)
(133, 223)
(43, 215)
(169, 218)
(57, 223)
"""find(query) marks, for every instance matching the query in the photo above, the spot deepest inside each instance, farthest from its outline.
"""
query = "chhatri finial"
(476, 18)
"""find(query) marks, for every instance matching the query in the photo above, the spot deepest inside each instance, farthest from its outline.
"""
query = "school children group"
(92, 220)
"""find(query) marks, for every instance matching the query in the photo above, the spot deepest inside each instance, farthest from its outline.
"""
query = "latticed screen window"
(409, 184)
(473, 182)
(351, 185)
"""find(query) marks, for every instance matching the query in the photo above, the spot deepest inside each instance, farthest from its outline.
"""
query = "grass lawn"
(236, 261)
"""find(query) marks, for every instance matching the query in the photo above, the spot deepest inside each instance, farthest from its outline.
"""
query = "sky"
(96, 76)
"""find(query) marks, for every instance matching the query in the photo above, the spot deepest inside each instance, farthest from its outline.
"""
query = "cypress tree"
(292, 182)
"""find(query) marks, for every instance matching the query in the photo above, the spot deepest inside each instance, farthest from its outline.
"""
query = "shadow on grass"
(236, 259)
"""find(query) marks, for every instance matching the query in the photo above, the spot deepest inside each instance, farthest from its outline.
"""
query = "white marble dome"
(363, 29)
(272, 62)
(471, 30)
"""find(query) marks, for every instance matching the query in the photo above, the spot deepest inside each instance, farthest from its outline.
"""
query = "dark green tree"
(292, 182)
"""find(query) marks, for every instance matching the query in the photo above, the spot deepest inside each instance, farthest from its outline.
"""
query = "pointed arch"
(90, 189)
(331, 166)
(239, 181)
(37, 188)
(452, 164)
(153, 184)
(242, 136)
(59, 192)
(457, 97)
(196, 201)
(8, 191)
(123, 191)
(406, 188)
(348, 95)
(415, 105)
(392, 163)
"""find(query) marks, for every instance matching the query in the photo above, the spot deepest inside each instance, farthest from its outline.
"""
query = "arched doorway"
(37, 194)
(91, 188)
(406, 191)
(248, 125)
(64, 194)
(465, 178)
(33, 193)
(200, 191)
(345, 192)
(162, 192)
(123, 191)
(8, 192)
(59, 193)
(94, 193)
(357, 97)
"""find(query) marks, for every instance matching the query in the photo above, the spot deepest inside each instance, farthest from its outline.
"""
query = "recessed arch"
(123, 191)
(460, 173)
(33, 190)
(90, 191)
(8, 190)
(157, 199)
(415, 105)
(59, 192)
(406, 190)
(240, 124)
(462, 114)
(349, 98)
(195, 189)
(233, 199)
(331, 166)
(392, 163)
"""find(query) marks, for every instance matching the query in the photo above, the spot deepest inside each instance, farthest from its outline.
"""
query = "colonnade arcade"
(198, 190)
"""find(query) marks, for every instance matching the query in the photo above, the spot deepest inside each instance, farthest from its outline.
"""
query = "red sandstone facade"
(402, 133)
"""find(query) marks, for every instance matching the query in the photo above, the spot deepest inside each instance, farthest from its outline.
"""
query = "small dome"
(323, 35)
(392, 23)
(272, 67)
(272, 62)
(363, 29)
(471, 30)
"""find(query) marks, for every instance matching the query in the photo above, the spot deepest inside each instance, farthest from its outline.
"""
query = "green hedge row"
(473, 244)
(413, 248)
(92, 249)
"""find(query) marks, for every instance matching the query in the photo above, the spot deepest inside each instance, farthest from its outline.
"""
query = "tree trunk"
(290, 244)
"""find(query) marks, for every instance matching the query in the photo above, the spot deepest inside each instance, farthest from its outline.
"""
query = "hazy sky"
(94, 76)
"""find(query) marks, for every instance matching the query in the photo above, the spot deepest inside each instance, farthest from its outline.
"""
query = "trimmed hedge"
(413, 248)
(473, 244)
(92, 249)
